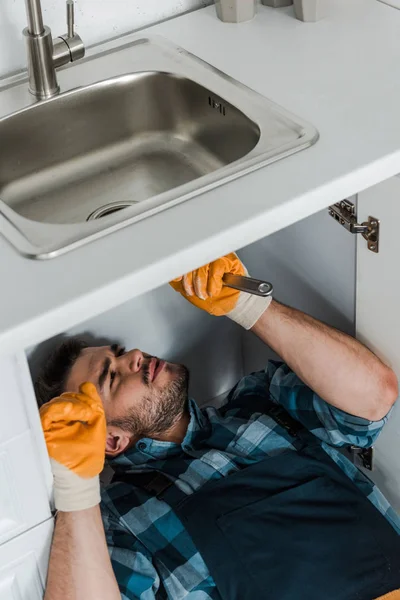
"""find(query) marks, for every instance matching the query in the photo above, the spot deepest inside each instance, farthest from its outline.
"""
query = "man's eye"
(112, 377)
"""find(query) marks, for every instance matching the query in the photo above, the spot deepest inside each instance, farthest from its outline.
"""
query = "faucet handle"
(72, 39)
(71, 18)
(68, 47)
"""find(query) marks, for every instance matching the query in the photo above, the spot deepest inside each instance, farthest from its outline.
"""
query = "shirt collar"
(146, 450)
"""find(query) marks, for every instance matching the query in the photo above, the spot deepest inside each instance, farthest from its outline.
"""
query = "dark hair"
(54, 373)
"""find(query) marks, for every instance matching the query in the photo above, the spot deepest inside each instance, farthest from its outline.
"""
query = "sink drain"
(108, 209)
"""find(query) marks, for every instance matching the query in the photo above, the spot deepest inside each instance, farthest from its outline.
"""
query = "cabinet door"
(378, 315)
(24, 499)
(23, 564)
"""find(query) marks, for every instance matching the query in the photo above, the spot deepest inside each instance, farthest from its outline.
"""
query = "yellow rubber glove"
(74, 427)
(391, 596)
(205, 289)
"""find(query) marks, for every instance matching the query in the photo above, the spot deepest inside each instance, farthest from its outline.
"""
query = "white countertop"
(341, 74)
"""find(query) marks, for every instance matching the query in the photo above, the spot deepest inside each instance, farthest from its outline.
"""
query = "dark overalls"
(291, 527)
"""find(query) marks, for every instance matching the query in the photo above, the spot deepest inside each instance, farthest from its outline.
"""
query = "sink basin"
(142, 128)
(129, 138)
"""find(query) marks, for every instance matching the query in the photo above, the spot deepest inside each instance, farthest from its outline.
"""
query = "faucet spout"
(35, 18)
(45, 55)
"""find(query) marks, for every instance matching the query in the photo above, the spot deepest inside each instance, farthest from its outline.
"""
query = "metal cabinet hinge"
(344, 213)
(363, 457)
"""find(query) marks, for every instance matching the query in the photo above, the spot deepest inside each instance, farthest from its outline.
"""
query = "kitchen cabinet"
(24, 493)
(378, 316)
(321, 268)
(23, 564)
(315, 265)
(25, 487)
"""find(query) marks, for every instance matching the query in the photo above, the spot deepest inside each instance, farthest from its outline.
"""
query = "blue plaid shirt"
(152, 554)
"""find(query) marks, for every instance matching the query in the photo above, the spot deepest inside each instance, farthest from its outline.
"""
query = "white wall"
(96, 20)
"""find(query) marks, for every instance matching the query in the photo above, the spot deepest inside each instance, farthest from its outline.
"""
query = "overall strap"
(162, 487)
(302, 436)
(153, 482)
(284, 419)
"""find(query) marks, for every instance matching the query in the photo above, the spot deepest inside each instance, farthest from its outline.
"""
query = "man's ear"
(117, 441)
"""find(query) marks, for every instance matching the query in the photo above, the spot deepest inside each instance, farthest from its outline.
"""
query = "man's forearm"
(334, 365)
(80, 566)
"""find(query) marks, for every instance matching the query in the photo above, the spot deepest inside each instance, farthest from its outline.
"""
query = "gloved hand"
(204, 288)
(74, 428)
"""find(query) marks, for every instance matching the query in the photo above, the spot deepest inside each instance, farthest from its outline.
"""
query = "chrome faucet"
(46, 54)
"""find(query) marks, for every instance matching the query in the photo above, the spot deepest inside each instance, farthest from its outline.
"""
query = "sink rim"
(41, 240)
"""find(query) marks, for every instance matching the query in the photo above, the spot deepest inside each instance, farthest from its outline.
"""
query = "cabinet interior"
(312, 267)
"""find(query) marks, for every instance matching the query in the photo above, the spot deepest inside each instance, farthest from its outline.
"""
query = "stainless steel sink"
(130, 138)
(143, 127)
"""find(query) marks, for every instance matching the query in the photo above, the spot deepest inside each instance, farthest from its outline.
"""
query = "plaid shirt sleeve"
(330, 424)
(131, 562)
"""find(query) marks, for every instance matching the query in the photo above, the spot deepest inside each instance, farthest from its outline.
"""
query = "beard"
(159, 410)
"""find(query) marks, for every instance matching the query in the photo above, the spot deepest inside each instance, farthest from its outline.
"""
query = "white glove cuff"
(72, 492)
(249, 309)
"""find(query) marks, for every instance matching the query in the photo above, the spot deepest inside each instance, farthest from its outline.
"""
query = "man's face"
(142, 395)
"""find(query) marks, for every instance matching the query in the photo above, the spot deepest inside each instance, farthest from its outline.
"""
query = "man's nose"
(133, 360)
